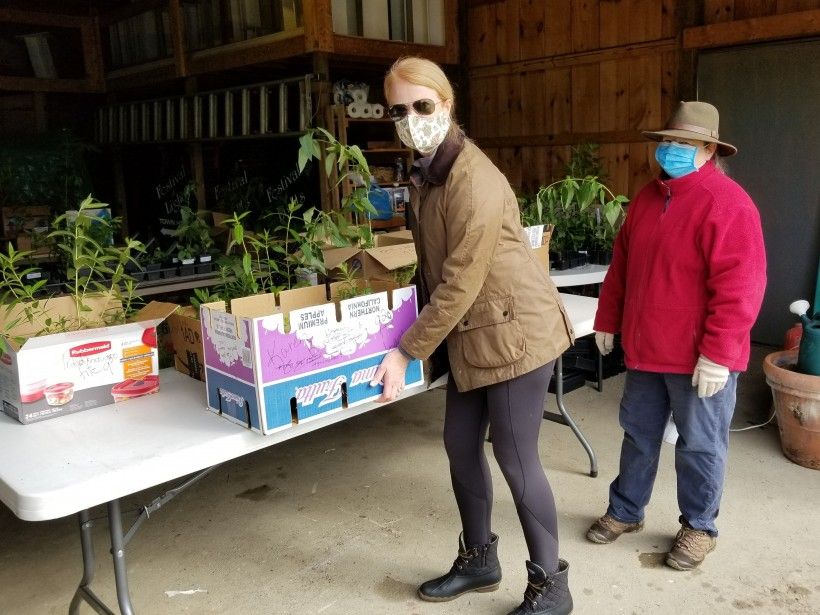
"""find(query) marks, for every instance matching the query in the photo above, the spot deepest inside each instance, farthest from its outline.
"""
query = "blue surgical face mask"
(677, 159)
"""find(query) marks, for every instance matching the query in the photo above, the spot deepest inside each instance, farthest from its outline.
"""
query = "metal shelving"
(274, 108)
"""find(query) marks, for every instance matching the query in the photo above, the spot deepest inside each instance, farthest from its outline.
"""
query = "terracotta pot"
(797, 404)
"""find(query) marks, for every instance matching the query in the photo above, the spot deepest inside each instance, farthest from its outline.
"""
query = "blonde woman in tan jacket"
(491, 311)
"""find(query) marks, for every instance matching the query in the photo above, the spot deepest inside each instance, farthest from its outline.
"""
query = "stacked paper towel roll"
(365, 110)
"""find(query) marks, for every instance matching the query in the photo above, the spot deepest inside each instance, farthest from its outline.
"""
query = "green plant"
(204, 295)
(531, 213)
(48, 170)
(349, 284)
(585, 161)
(193, 235)
(301, 241)
(19, 297)
(93, 268)
(157, 256)
(584, 211)
(248, 268)
(404, 275)
(94, 271)
(350, 165)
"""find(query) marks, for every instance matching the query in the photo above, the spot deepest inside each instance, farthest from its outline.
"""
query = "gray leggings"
(514, 411)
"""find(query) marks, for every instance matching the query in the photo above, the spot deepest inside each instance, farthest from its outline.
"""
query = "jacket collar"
(436, 170)
(687, 182)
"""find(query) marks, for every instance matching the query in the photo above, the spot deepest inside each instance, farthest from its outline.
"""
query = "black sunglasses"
(424, 106)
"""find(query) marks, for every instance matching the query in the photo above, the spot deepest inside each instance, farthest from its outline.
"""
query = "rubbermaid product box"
(269, 365)
(52, 375)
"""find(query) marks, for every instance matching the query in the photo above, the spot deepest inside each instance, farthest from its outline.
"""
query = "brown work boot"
(690, 548)
(608, 528)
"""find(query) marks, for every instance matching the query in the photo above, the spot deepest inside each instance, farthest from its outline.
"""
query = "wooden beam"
(246, 53)
(575, 59)
(566, 138)
(40, 111)
(367, 49)
(129, 10)
(51, 20)
(176, 25)
(141, 75)
(33, 84)
(92, 55)
(757, 29)
(317, 17)
(451, 31)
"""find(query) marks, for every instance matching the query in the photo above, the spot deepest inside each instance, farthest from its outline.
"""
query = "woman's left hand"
(391, 374)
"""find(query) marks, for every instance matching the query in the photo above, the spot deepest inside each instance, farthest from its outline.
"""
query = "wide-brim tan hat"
(694, 120)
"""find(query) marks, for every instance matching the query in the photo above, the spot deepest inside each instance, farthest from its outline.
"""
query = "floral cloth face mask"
(423, 133)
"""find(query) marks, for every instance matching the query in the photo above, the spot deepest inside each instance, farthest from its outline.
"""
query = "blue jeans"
(700, 453)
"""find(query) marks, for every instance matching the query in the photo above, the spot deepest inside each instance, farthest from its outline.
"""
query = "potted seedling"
(192, 240)
(580, 209)
(154, 260)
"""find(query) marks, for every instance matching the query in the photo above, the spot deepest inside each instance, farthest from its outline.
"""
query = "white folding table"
(70, 464)
(581, 311)
(579, 276)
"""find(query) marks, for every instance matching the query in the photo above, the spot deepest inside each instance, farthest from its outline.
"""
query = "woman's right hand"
(391, 374)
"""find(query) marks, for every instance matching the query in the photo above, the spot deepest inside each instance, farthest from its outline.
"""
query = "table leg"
(84, 590)
(565, 419)
(118, 553)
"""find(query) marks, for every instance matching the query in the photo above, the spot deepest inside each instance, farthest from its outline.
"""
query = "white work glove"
(605, 342)
(709, 377)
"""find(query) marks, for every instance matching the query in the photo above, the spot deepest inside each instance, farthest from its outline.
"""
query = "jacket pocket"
(491, 335)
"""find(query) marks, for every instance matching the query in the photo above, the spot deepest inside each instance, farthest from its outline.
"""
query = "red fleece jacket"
(687, 276)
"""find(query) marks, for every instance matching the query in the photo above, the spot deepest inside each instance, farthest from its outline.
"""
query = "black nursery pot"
(135, 271)
(205, 264)
(153, 271)
(601, 257)
(187, 267)
(568, 259)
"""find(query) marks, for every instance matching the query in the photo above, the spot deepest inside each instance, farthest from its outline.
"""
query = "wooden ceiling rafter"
(754, 30)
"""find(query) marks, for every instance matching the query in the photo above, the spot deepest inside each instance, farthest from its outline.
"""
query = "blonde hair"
(420, 71)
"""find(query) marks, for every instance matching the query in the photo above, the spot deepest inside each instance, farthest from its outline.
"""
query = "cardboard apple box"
(46, 376)
(392, 251)
(271, 364)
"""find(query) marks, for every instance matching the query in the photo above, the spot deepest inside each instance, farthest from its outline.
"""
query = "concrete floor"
(349, 519)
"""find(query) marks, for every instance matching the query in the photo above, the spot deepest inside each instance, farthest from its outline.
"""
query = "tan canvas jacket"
(485, 292)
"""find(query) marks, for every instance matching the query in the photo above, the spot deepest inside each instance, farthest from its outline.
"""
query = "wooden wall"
(544, 75)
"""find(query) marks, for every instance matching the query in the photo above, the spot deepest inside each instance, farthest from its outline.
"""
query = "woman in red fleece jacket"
(684, 289)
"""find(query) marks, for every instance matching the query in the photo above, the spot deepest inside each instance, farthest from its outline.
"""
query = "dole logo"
(85, 350)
